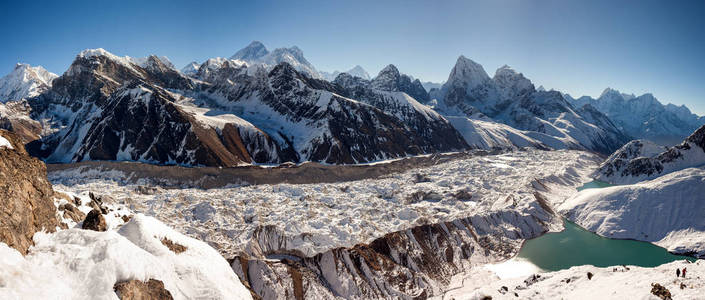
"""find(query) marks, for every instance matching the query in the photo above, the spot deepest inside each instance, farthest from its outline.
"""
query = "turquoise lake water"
(576, 246)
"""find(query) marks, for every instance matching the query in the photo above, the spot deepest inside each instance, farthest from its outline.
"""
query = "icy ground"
(85, 264)
(618, 282)
(317, 217)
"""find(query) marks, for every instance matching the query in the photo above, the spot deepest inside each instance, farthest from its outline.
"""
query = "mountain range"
(268, 107)
(644, 117)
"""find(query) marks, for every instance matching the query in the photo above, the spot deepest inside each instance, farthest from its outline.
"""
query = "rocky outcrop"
(139, 290)
(26, 196)
(95, 221)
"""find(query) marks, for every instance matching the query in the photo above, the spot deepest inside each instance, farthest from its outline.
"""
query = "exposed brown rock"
(139, 290)
(26, 196)
(95, 221)
(660, 291)
(174, 247)
(72, 212)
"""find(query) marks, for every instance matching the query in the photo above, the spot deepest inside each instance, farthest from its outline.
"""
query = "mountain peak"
(254, 51)
(511, 83)
(467, 73)
(610, 92)
(191, 68)
(389, 69)
(387, 79)
(25, 81)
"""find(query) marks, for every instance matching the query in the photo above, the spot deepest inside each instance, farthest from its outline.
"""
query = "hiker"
(678, 272)
(684, 272)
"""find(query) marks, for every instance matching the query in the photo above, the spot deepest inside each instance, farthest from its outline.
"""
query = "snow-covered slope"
(640, 160)
(511, 99)
(483, 133)
(257, 53)
(668, 211)
(610, 283)
(644, 117)
(85, 264)
(24, 82)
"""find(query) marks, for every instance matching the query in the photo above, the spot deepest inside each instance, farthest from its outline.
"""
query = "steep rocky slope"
(27, 204)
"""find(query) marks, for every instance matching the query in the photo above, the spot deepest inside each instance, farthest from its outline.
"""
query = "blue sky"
(579, 47)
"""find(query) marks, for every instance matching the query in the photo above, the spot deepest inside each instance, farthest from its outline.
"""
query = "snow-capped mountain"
(107, 107)
(257, 53)
(25, 81)
(356, 71)
(389, 79)
(642, 160)
(313, 119)
(229, 112)
(510, 98)
(190, 69)
(644, 117)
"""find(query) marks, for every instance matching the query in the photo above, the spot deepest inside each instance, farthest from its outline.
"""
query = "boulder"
(95, 221)
(139, 290)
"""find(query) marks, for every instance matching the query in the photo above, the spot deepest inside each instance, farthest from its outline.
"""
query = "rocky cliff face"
(26, 195)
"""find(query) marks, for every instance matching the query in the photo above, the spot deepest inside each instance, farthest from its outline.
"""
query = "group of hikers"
(678, 272)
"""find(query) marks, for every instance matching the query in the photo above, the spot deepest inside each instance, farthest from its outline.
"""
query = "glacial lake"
(576, 246)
